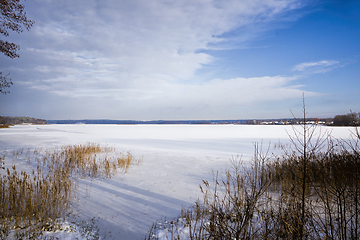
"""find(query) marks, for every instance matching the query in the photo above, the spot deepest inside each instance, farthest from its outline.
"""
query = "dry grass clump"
(88, 160)
(33, 202)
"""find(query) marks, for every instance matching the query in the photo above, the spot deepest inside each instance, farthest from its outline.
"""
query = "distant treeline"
(251, 122)
(109, 121)
(351, 119)
(21, 120)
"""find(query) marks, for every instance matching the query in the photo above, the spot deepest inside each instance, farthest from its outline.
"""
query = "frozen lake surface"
(175, 160)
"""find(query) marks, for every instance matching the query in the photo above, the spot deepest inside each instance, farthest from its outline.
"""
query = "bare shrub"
(308, 193)
(231, 205)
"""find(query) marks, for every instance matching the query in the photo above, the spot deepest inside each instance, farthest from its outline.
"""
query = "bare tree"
(5, 82)
(12, 18)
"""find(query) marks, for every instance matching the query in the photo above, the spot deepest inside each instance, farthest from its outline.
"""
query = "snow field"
(175, 160)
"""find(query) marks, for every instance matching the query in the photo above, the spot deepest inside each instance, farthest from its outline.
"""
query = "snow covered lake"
(175, 160)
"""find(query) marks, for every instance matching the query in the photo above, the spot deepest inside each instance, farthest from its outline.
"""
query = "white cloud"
(237, 91)
(218, 93)
(125, 42)
(144, 54)
(317, 67)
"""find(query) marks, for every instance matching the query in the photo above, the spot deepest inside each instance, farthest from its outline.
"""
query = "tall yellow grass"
(35, 201)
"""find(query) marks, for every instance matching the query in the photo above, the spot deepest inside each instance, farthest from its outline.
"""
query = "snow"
(175, 160)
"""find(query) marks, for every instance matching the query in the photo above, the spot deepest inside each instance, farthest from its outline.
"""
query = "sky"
(185, 59)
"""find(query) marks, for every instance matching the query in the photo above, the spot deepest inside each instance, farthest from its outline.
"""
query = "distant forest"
(246, 121)
(21, 120)
(351, 119)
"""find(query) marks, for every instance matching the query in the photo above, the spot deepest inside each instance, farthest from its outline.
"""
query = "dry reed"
(37, 201)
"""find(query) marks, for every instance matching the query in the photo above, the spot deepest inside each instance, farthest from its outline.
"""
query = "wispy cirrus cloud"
(138, 55)
(122, 43)
(317, 67)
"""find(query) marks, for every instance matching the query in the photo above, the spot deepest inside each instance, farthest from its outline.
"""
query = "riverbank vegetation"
(312, 191)
(39, 200)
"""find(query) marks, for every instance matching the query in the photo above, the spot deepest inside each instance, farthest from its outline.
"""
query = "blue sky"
(189, 59)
